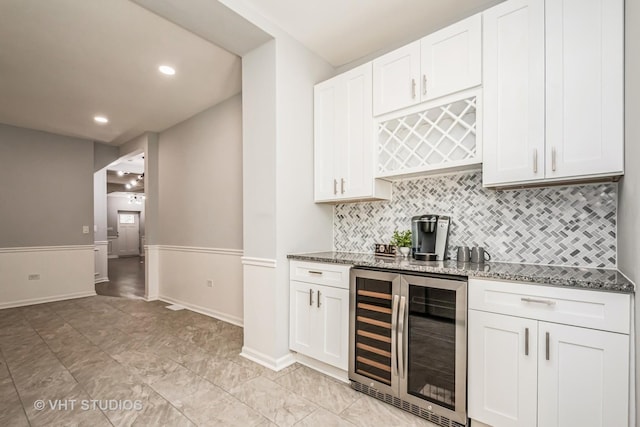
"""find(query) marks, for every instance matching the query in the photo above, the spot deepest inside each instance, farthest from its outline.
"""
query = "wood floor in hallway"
(126, 278)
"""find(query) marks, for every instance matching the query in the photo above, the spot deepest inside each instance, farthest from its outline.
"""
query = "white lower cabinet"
(527, 372)
(319, 314)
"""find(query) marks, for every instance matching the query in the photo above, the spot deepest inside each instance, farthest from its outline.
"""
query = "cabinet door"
(396, 78)
(326, 133)
(356, 154)
(585, 63)
(301, 332)
(333, 326)
(513, 82)
(502, 369)
(583, 377)
(451, 59)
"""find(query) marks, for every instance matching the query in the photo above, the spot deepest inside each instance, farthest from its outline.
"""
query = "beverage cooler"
(408, 342)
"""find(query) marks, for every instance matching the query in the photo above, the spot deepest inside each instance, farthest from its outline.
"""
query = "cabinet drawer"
(336, 275)
(590, 309)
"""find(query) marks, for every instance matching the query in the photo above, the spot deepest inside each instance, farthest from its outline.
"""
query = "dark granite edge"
(570, 279)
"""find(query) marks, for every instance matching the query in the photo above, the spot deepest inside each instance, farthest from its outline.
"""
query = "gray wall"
(103, 155)
(629, 191)
(46, 188)
(100, 205)
(200, 179)
(259, 156)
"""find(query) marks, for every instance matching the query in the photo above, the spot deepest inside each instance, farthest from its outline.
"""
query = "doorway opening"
(125, 227)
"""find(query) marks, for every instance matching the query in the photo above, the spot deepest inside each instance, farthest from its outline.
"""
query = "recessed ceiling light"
(165, 69)
(120, 173)
(101, 119)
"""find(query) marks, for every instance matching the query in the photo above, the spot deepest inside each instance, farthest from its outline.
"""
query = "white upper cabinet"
(513, 87)
(585, 87)
(442, 63)
(344, 139)
(396, 76)
(553, 91)
(451, 59)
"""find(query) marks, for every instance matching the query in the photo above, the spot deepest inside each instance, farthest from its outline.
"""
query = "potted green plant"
(402, 239)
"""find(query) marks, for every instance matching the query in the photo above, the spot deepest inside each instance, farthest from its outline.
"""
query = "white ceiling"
(64, 61)
(341, 31)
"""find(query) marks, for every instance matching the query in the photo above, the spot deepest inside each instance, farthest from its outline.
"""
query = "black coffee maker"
(430, 237)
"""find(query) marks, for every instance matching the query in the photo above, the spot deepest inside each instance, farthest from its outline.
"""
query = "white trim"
(202, 310)
(47, 248)
(267, 361)
(54, 298)
(101, 243)
(217, 251)
(101, 280)
(259, 262)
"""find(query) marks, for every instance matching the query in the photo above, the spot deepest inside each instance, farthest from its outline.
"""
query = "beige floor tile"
(278, 404)
(370, 412)
(216, 408)
(149, 367)
(180, 384)
(223, 372)
(323, 418)
(320, 389)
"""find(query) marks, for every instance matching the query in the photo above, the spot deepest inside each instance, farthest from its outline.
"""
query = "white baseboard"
(55, 298)
(329, 370)
(202, 310)
(267, 361)
(101, 280)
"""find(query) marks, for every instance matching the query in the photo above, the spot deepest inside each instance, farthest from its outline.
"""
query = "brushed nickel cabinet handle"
(553, 159)
(310, 297)
(315, 272)
(335, 186)
(535, 160)
(342, 185)
(400, 340)
(318, 300)
(424, 84)
(538, 301)
(526, 341)
(413, 88)
(394, 333)
(547, 345)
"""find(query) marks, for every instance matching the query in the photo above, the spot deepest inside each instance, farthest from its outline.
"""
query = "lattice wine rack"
(439, 137)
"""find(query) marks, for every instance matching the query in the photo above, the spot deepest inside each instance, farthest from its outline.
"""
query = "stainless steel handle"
(526, 341)
(401, 337)
(318, 300)
(341, 185)
(547, 344)
(310, 296)
(394, 333)
(335, 186)
(553, 159)
(315, 272)
(535, 160)
(424, 84)
(413, 88)
(538, 301)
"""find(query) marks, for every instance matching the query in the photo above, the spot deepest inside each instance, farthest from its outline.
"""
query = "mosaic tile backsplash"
(573, 225)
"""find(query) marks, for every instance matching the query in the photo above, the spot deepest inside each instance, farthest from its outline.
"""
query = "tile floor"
(102, 355)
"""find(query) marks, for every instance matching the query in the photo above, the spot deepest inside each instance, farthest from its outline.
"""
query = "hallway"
(126, 278)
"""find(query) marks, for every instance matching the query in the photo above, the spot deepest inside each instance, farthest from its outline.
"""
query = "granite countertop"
(609, 280)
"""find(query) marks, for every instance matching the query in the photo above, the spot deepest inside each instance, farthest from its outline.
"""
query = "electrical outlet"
(209, 283)
(34, 277)
(85, 229)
